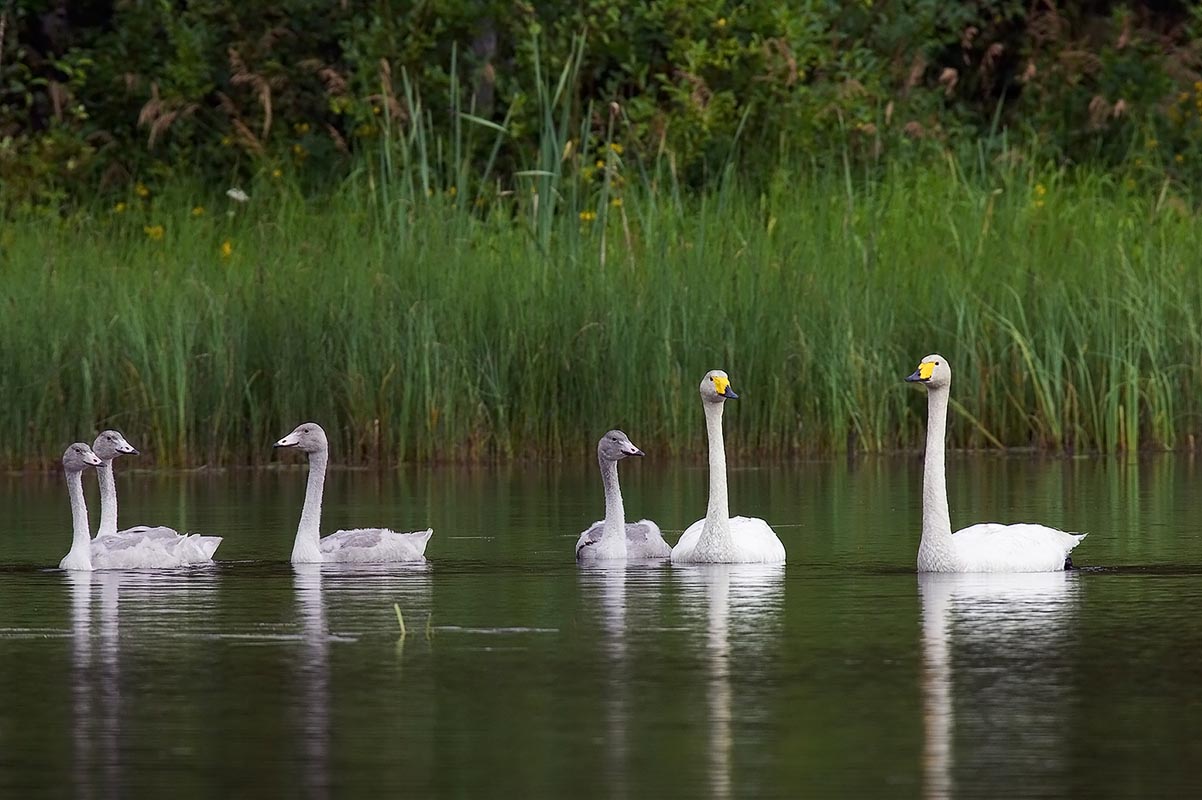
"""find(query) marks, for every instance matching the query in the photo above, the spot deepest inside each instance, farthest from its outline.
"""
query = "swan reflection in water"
(1008, 630)
(313, 674)
(742, 605)
(607, 579)
(359, 589)
(96, 637)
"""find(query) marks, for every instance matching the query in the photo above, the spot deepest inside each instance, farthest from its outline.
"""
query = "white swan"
(140, 546)
(76, 459)
(614, 537)
(363, 545)
(989, 546)
(719, 538)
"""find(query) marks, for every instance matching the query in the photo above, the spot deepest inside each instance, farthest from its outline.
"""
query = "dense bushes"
(95, 94)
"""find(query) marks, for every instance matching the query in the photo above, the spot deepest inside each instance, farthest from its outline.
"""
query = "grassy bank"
(418, 321)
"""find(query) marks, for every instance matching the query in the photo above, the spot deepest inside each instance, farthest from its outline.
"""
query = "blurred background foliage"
(96, 95)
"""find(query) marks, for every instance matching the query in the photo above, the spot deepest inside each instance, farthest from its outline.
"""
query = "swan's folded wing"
(1023, 547)
(159, 533)
(643, 540)
(590, 537)
(145, 547)
(190, 548)
(375, 545)
(755, 541)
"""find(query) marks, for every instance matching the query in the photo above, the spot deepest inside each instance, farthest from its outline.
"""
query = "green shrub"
(95, 95)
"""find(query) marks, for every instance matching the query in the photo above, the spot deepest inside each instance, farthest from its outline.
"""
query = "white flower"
(237, 194)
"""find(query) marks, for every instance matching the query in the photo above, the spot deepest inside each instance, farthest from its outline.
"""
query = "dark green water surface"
(842, 673)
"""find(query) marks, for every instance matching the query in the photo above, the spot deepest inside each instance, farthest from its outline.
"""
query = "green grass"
(420, 324)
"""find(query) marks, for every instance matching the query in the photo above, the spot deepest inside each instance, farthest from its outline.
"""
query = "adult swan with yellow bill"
(989, 546)
(362, 545)
(719, 538)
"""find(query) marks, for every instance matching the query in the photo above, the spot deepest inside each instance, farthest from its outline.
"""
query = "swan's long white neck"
(716, 541)
(80, 556)
(306, 548)
(108, 499)
(613, 533)
(936, 552)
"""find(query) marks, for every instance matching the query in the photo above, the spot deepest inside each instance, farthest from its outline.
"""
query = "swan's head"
(615, 446)
(79, 457)
(933, 372)
(715, 387)
(308, 438)
(110, 444)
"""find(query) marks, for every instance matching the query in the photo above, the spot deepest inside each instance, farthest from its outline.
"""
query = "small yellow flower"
(365, 130)
(1039, 204)
(277, 173)
(301, 128)
(587, 173)
(1040, 190)
(588, 216)
(617, 148)
(1129, 183)
(600, 163)
(227, 248)
(198, 211)
(1180, 159)
(154, 232)
(141, 191)
(226, 141)
(721, 23)
(1152, 143)
(1139, 162)
(375, 110)
(298, 150)
(616, 202)
(1198, 86)
(120, 207)
(452, 192)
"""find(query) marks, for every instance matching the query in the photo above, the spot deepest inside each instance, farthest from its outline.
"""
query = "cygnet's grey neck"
(308, 533)
(81, 537)
(615, 515)
(108, 498)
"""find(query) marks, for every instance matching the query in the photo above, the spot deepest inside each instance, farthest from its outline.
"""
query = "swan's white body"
(750, 541)
(719, 538)
(360, 545)
(989, 546)
(614, 537)
(142, 547)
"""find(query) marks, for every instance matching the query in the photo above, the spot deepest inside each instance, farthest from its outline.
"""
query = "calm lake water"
(523, 675)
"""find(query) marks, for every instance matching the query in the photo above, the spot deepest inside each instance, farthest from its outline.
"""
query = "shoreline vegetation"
(463, 285)
(420, 322)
